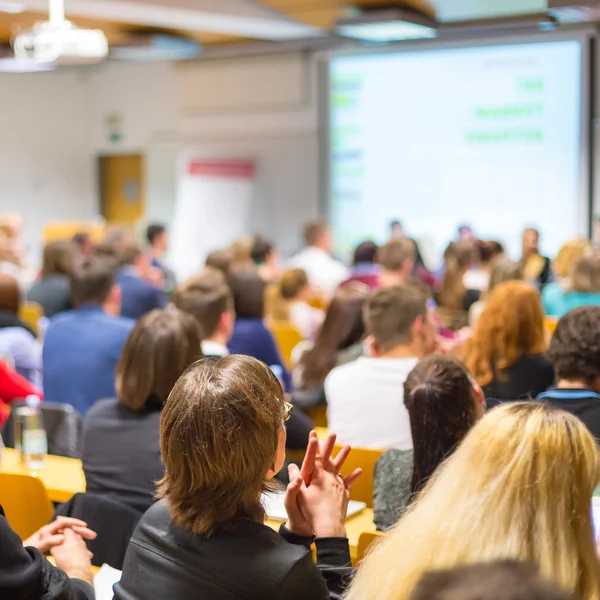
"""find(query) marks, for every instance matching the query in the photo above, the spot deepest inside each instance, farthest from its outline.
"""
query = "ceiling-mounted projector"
(59, 41)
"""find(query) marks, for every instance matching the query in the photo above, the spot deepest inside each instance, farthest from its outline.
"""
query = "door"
(122, 190)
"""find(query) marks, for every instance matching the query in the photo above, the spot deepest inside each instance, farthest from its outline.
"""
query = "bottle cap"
(33, 401)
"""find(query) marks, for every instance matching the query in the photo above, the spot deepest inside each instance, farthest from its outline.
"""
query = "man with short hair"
(208, 299)
(323, 271)
(156, 236)
(397, 260)
(575, 356)
(83, 346)
(365, 398)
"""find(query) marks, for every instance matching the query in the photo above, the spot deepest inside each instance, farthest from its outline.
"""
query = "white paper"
(275, 507)
(104, 580)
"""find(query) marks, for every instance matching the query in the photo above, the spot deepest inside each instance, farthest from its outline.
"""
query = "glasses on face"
(289, 409)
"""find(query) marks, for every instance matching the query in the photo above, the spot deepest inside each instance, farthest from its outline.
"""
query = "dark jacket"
(53, 293)
(251, 562)
(26, 575)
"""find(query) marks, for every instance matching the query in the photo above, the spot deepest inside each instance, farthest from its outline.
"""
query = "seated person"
(339, 341)
(265, 259)
(25, 574)
(364, 398)
(364, 267)
(522, 479)
(158, 242)
(506, 353)
(121, 454)
(583, 288)
(53, 290)
(575, 356)
(443, 404)
(537, 269)
(207, 298)
(222, 440)
(18, 345)
(83, 346)
(139, 296)
(220, 260)
(13, 387)
(453, 294)
(397, 260)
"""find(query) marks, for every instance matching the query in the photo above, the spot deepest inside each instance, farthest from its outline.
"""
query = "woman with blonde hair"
(519, 487)
(506, 353)
(581, 289)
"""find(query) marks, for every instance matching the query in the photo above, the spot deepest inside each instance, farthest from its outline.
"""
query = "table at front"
(63, 477)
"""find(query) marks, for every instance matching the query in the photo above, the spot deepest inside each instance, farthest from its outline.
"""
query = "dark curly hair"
(575, 347)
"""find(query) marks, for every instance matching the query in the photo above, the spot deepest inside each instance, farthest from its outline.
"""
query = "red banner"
(228, 169)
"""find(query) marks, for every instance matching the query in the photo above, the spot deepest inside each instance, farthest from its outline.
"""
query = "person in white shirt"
(365, 405)
(397, 260)
(324, 272)
(208, 299)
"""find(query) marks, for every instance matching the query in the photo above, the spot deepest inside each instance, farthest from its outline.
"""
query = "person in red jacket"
(13, 387)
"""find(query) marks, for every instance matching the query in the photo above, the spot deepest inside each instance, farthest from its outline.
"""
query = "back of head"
(503, 270)
(248, 290)
(261, 250)
(500, 580)
(489, 251)
(390, 314)
(58, 259)
(440, 400)
(519, 486)
(510, 326)
(235, 407)
(219, 259)
(153, 232)
(394, 255)
(118, 236)
(458, 257)
(240, 252)
(575, 346)
(130, 254)
(292, 283)
(314, 232)
(568, 256)
(585, 277)
(343, 327)
(104, 250)
(161, 346)
(206, 297)
(365, 252)
(93, 281)
(10, 293)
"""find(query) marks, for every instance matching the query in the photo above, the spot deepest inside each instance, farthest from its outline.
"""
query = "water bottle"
(30, 435)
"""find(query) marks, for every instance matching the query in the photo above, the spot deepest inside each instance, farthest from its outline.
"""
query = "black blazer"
(251, 562)
(26, 575)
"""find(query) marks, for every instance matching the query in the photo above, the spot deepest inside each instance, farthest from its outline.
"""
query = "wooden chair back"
(366, 459)
(365, 543)
(31, 313)
(287, 338)
(551, 323)
(25, 502)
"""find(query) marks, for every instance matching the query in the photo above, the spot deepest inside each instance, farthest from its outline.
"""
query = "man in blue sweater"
(83, 346)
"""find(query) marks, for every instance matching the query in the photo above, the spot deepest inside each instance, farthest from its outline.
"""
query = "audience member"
(13, 387)
(240, 252)
(83, 247)
(506, 352)
(104, 250)
(206, 537)
(498, 580)
(396, 229)
(453, 294)
(518, 487)
(219, 259)
(25, 574)
(324, 272)
(83, 346)
(478, 276)
(364, 267)
(158, 241)
(118, 237)
(138, 295)
(397, 260)
(575, 355)
(536, 268)
(364, 397)
(465, 233)
(250, 335)
(290, 304)
(503, 270)
(17, 340)
(208, 299)
(265, 259)
(53, 290)
(339, 342)
(564, 263)
(9, 263)
(443, 404)
(121, 455)
(583, 289)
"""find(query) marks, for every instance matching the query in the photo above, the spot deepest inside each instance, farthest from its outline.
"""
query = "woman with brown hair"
(506, 353)
(53, 290)
(339, 341)
(453, 294)
(222, 441)
(121, 454)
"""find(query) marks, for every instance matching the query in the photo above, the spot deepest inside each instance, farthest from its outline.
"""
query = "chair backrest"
(365, 541)
(366, 459)
(287, 338)
(113, 521)
(63, 426)
(551, 323)
(25, 502)
(31, 313)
